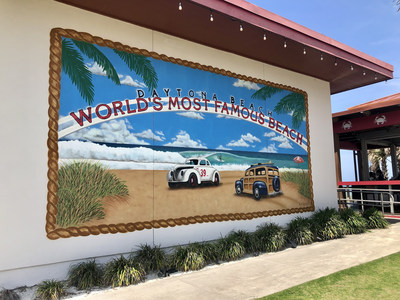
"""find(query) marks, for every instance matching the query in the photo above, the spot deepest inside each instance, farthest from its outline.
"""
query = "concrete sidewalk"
(266, 274)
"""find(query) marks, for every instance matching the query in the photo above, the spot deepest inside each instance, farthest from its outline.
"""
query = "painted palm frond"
(92, 52)
(265, 92)
(73, 65)
(142, 66)
(292, 103)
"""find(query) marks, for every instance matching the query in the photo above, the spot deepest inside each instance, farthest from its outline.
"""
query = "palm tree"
(378, 158)
(73, 65)
(292, 103)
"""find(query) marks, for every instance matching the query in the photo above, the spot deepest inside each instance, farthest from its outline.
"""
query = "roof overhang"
(377, 122)
(354, 69)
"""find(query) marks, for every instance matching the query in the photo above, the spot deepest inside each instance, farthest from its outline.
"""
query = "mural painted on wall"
(148, 141)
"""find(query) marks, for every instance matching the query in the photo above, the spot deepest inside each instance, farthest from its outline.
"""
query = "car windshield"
(192, 162)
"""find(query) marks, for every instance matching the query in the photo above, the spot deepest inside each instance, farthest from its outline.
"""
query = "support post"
(394, 160)
(364, 174)
(337, 157)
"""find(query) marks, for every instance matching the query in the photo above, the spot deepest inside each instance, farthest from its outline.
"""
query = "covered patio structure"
(370, 126)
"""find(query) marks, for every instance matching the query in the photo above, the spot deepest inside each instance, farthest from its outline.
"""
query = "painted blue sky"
(180, 129)
(372, 27)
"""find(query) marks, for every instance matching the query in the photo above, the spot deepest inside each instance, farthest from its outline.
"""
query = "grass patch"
(81, 186)
(302, 179)
(50, 290)
(378, 279)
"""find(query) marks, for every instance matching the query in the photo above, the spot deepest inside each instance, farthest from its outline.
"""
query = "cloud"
(127, 80)
(250, 138)
(269, 134)
(244, 140)
(149, 135)
(246, 84)
(285, 145)
(220, 147)
(114, 131)
(183, 139)
(159, 132)
(279, 138)
(284, 142)
(270, 149)
(191, 115)
(239, 143)
(96, 69)
(225, 117)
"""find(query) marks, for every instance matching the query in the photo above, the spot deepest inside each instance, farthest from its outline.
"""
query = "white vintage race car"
(195, 171)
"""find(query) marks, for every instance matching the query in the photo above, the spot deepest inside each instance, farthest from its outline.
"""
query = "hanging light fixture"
(364, 72)
(211, 17)
(336, 63)
(376, 76)
(241, 26)
(265, 36)
(351, 67)
(180, 5)
(284, 44)
(304, 51)
(322, 57)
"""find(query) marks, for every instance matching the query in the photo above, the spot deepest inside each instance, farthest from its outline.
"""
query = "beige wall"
(27, 256)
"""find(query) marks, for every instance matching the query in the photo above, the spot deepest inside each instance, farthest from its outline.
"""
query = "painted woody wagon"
(259, 180)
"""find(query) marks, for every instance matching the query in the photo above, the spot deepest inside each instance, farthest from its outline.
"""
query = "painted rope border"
(52, 142)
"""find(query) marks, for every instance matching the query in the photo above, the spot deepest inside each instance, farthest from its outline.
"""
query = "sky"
(372, 27)
(190, 128)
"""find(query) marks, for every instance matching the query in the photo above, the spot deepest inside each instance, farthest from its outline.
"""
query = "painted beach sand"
(189, 202)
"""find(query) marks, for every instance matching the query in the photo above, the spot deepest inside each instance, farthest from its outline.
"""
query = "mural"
(145, 141)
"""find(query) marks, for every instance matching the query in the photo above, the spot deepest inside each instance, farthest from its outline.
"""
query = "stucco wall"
(27, 256)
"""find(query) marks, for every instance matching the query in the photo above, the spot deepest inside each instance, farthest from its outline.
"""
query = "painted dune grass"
(378, 279)
(302, 179)
(81, 188)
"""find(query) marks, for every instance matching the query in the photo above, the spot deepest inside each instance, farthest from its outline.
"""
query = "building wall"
(27, 255)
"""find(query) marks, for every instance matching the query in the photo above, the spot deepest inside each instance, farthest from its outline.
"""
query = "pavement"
(266, 274)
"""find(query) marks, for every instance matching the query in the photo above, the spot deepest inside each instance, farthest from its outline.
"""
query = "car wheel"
(238, 189)
(276, 184)
(216, 179)
(192, 182)
(256, 193)
(172, 185)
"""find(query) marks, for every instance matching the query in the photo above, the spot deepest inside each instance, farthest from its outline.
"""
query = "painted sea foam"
(134, 157)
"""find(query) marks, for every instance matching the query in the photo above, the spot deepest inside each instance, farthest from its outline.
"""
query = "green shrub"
(270, 237)
(327, 224)
(375, 219)
(123, 272)
(246, 239)
(209, 251)
(230, 248)
(355, 223)
(150, 258)
(50, 290)
(85, 275)
(299, 231)
(81, 186)
(9, 295)
(188, 259)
